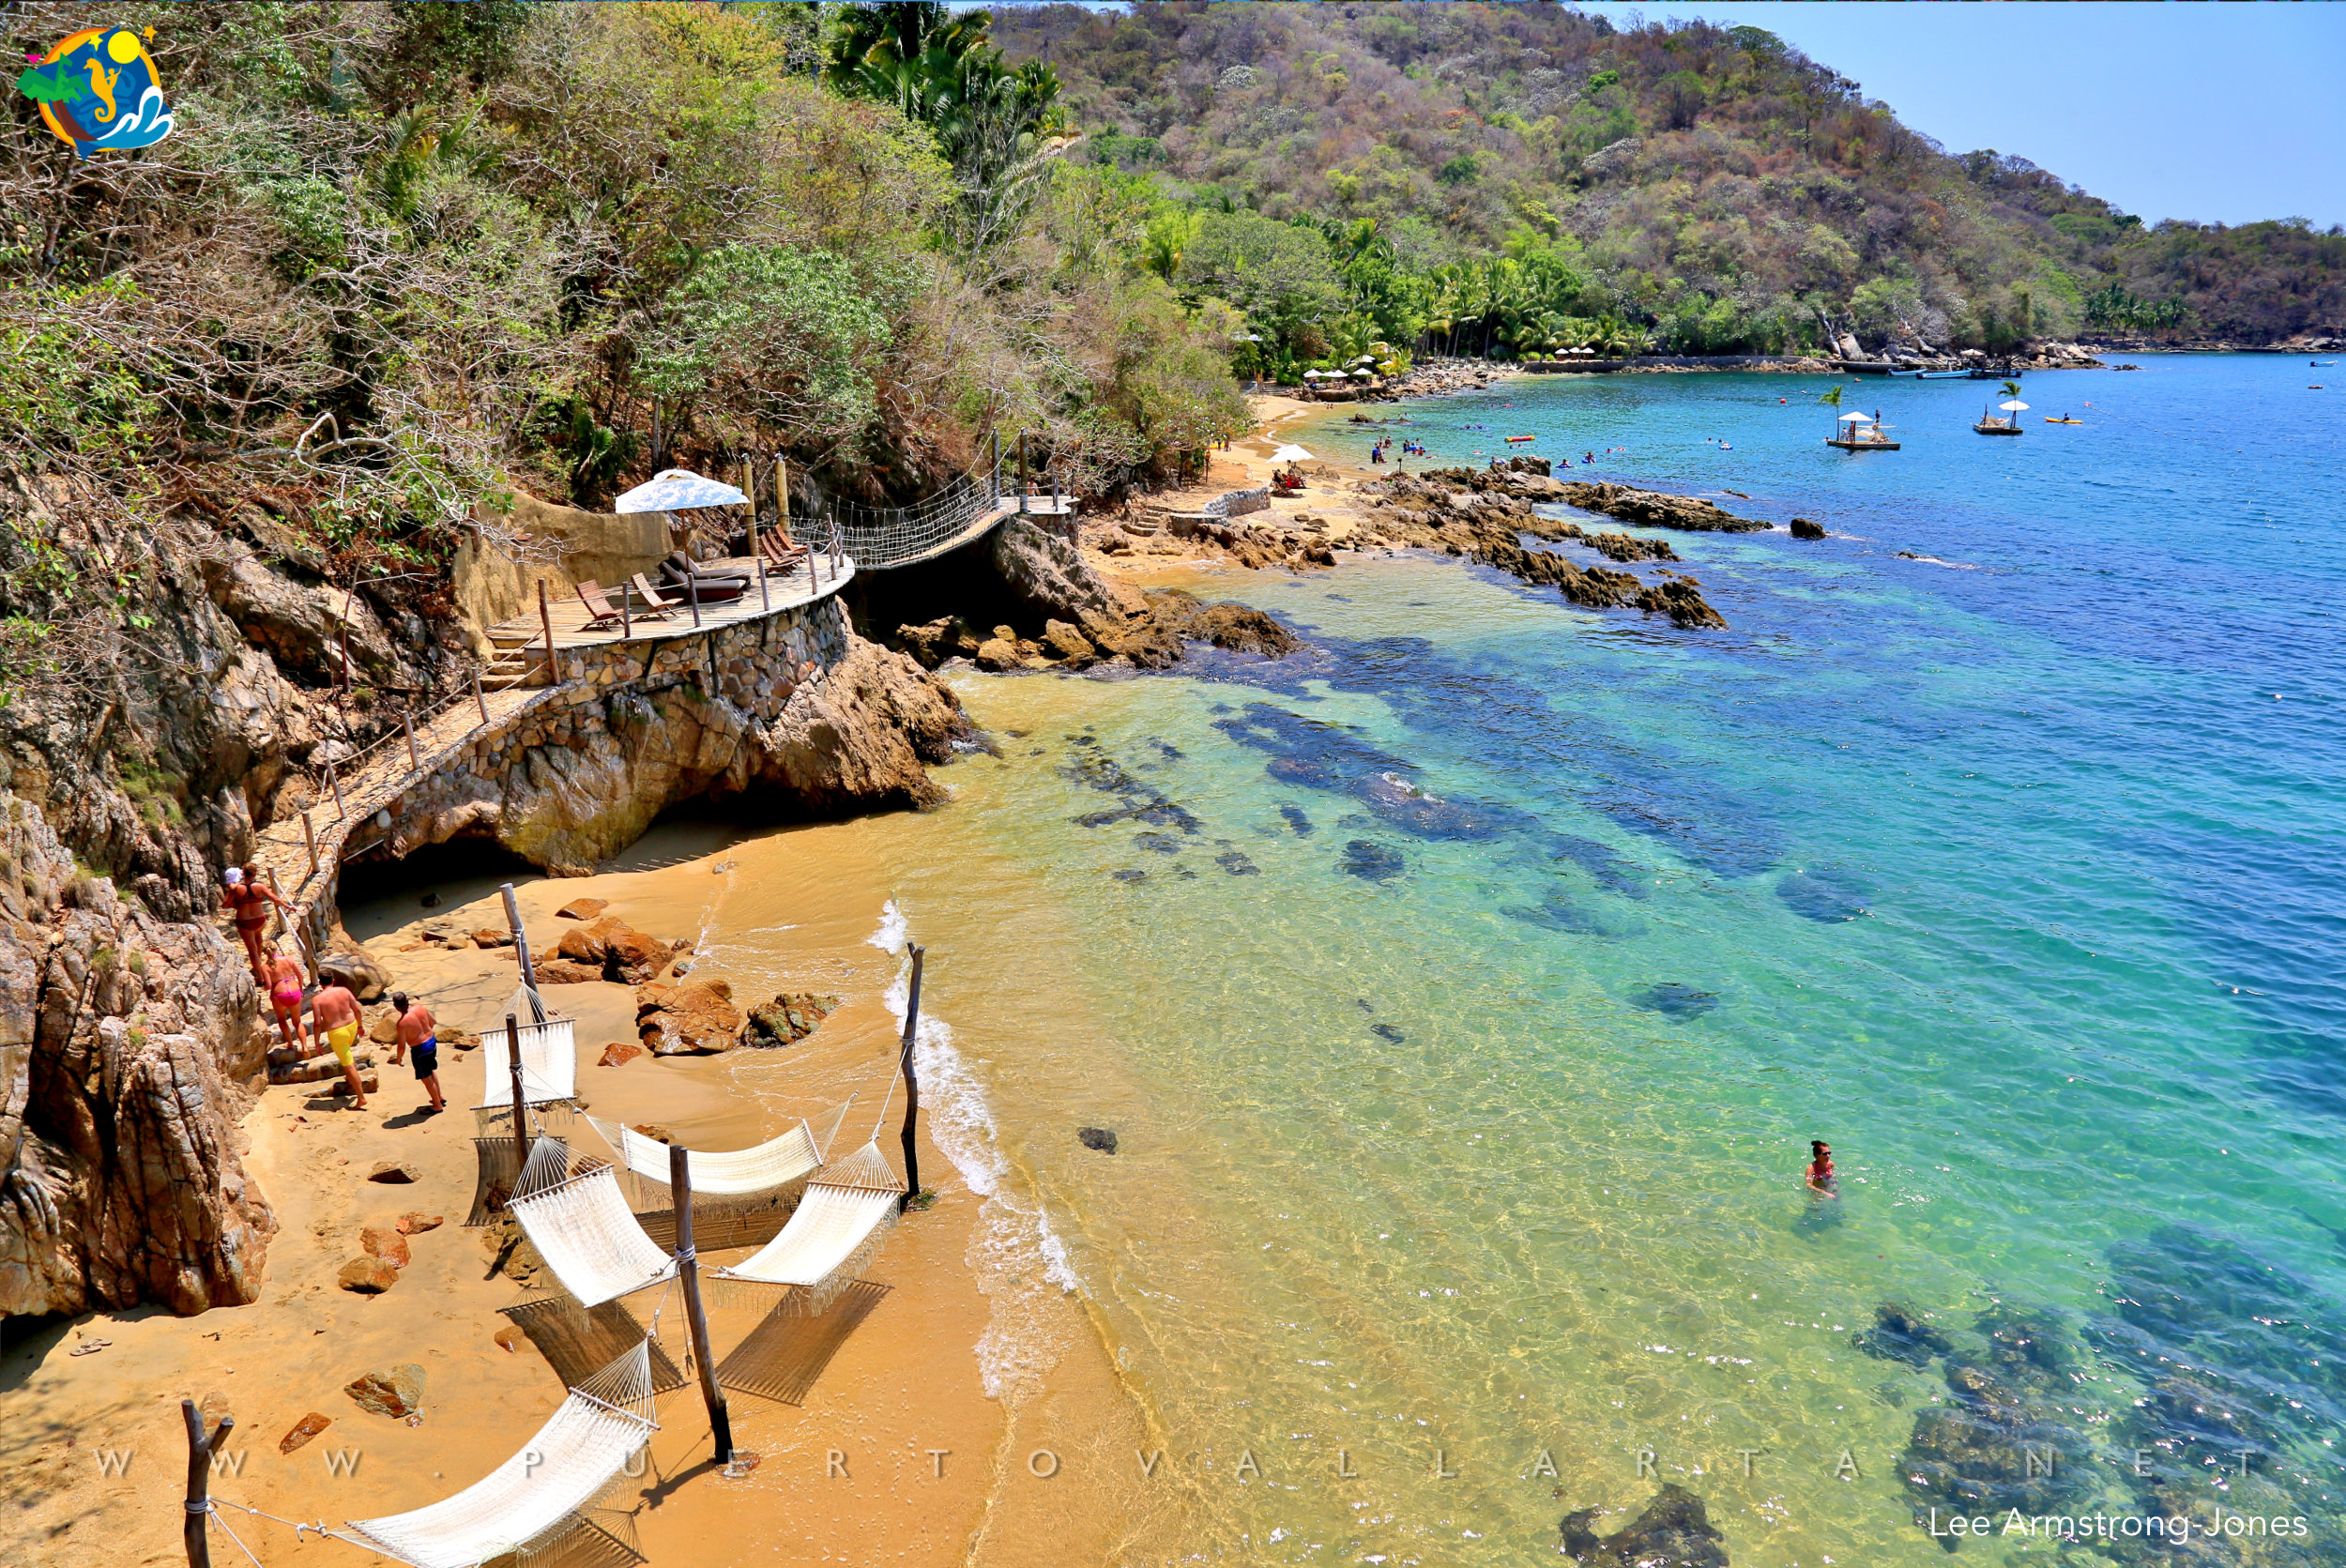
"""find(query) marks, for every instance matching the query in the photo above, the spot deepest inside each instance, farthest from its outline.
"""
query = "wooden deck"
(803, 584)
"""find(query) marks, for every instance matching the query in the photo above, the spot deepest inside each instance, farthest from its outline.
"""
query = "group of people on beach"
(333, 1011)
(1385, 444)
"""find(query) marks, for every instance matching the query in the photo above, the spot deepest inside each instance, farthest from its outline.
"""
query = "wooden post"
(349, 598)
(199, 1502)
(912, 1084)
(993, 480)
(310, 837)
(1022, 473)
(521, 1113)
(335, 783)
(782, 496)
(479, 701)
(415, 763)
(688, 1274)
(757, 564)
(693, 588)
(521, 948)
(545, 619)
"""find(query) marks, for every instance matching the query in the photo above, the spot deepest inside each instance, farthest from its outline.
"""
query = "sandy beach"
(899, 1455)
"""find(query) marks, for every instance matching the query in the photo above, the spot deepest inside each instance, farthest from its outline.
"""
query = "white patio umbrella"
(2012, 407)
(1311, 375)
(677, 490)
(1291, 454)
(1855, 418)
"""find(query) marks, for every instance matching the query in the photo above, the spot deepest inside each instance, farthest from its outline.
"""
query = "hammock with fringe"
(549, 1068)
(839, 1224)
(543, 1491)
(574, 1214)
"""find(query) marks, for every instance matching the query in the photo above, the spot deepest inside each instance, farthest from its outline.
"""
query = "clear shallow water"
(1485, 974)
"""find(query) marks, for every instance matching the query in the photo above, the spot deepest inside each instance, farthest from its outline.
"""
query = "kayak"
(2051, 420)
(1512, 439)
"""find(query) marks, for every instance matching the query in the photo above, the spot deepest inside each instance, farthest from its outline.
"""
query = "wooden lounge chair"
(599, 615)
(655, 603)
(778, 554)
(712, 587)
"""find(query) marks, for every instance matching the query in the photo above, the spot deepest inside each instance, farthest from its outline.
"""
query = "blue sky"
(2224, 113)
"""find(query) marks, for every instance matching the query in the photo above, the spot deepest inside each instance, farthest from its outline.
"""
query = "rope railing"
(878, 537)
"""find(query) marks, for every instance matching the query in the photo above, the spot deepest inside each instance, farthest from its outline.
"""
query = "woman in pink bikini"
(285, 1001)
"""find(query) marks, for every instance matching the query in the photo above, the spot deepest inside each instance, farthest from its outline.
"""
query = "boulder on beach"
(393, 1172)
(303, 1430)
(367, 980)
(618, 1053)
(583, 909)
(790, 1017)
(561, 972)
(696, 1017)
(617, 950)
(366, 1276)
(396, 1392)
(488, 936)
(415, 1223)
(387, 1242)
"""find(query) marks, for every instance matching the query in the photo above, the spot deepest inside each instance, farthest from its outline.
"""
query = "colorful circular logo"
(99, 89)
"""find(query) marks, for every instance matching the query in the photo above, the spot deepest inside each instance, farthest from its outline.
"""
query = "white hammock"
(778, 1164)
(581, 1226)
(839, 1224)
(540, 1491)
(549, 1065)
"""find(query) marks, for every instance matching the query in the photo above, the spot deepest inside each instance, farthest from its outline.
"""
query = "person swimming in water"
(1822, 1180)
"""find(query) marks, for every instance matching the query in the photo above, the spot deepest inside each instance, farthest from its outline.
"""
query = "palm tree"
(2012, 388)
(1833, 397)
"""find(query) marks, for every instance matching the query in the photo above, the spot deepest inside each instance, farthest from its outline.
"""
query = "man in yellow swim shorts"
(334, 1013)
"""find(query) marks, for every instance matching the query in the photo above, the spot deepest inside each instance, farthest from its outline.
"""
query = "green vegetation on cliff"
(1521, 176)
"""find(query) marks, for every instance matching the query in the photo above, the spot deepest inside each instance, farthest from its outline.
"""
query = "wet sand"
(94, 1455)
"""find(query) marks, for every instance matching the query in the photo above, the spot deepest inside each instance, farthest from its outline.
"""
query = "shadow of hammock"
(579, 1342)
(784, 1354)
(587, 1541)
(715, 1229)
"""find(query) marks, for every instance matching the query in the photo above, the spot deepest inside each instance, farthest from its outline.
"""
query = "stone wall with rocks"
(126, 1040)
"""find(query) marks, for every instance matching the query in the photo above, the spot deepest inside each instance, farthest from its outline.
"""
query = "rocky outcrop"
(125, 1039)
(613, 949)
(1803, 528)
(1048, 572)
(696, 1018)
(790, 1017)
(1654, 509)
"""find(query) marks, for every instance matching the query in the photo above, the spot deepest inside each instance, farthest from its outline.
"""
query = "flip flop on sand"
(89, 1347)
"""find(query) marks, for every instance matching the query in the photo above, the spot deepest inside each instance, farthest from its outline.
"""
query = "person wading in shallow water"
(1822, 1180)
(419, 1031)
(335, 1012)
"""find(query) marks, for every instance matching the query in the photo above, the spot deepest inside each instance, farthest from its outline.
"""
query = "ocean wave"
(1015, 1244)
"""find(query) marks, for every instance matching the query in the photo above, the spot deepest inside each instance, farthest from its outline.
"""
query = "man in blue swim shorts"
(419, 1033)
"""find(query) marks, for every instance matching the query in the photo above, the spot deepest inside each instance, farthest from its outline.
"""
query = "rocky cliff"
(123, 1038)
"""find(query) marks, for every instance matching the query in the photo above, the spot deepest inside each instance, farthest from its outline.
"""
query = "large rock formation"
(124, 1039)
(1655, 509)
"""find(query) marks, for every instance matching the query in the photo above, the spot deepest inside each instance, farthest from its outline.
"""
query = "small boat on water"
(1861, 433)
(2065, 419)
(2008, 424)
(1942, 375)
(1512, 440)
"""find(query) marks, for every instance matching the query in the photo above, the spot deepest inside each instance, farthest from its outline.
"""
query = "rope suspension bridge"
(879, 539)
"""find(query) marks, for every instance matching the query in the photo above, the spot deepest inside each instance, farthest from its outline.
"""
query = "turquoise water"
(1465, 993)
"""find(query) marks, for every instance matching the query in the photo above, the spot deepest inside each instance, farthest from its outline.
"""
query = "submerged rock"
(1370, 861)
(1099, 1138)
(1674, 1530)
(1826, 894)
(1675, 999)
(1899, 1334)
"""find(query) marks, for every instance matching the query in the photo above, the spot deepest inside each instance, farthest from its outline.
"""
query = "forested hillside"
(1528, 175)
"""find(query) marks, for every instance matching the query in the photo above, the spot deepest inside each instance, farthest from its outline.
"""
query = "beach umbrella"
(1854, 419)
(678, 489)
(2012, 407)
(1291, 454)
(1311, 375)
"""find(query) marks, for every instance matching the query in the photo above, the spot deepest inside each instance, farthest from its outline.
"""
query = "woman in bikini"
(248, 900)
(1822, 1180)
(285, 1001)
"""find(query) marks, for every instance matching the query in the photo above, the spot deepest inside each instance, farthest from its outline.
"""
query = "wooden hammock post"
(199, 1504)
(521, 1120)
(310, 837)
(688, 1274)
(478, 700)
(545, 619)
(912, 1084)
(520, 949)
